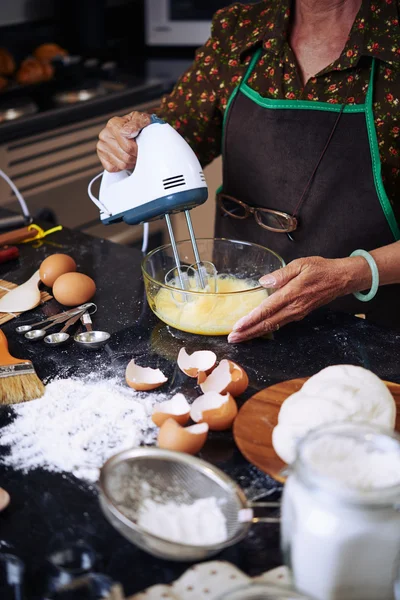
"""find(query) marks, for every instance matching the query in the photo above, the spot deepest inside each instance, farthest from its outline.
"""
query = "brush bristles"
(20, 388)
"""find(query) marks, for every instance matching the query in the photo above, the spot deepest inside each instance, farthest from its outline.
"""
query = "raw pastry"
(338, 393)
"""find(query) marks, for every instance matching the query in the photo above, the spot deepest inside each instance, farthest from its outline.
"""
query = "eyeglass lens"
(275, 221)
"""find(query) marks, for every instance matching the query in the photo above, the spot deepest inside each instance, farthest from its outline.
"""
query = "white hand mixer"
(167, 179)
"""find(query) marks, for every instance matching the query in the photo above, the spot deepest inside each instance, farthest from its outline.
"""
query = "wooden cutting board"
(257, 418)
(5, 317)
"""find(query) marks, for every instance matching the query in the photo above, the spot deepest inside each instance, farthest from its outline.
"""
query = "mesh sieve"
(132, 476)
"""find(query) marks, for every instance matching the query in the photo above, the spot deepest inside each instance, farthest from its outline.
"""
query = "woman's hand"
(302, 286)
(117, 149)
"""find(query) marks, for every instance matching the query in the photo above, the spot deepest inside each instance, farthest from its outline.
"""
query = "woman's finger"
(135, 123)
(281, 277)
(264, 311)
(277, 321)
(112, 148)
(109, 158)
(112, 133)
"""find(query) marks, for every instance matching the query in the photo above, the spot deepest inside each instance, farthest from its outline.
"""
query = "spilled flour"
(77, 425)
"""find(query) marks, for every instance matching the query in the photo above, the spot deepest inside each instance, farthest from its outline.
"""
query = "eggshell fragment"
(199, 361)
(201, 377)
(143, 379)
(190, 440)
(54, 266)
(177, 408)
(228, 377)
(217, 410)
(72, 289)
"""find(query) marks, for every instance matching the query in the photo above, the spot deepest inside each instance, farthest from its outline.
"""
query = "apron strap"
(375, 157)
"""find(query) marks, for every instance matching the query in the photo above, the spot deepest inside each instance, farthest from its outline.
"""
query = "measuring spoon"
(91, 339)
(55, 339)
(68, 313)
(38, 334)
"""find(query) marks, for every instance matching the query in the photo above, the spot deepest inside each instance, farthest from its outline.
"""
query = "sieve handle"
(247, 515)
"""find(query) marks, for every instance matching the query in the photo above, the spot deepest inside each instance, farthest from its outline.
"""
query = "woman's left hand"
(302, 286)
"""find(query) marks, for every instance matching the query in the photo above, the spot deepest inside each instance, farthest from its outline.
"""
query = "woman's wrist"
(357, 276)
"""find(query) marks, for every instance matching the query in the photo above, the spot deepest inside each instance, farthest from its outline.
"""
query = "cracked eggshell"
(199, 361)
(177, 408)
(227, 378)
(190, 440)
(143, 379)
(217, 410)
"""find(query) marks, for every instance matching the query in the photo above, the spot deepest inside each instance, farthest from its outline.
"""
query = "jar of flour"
(340, 529)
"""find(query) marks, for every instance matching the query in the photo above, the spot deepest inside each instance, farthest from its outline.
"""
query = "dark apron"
(270, 149)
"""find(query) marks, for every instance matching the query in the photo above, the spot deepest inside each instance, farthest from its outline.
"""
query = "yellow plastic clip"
(41, 233)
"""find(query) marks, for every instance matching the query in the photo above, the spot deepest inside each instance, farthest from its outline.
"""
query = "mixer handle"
(93, 198)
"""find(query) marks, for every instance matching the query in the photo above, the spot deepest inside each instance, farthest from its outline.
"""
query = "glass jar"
(262, 591)
(340, 530)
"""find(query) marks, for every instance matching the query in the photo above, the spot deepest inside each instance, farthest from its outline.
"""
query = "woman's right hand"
(117, 148)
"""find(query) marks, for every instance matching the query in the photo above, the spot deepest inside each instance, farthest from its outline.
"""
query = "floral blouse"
(197, 104)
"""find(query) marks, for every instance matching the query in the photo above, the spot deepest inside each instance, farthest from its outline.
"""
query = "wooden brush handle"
(5, 357)
(13, 237)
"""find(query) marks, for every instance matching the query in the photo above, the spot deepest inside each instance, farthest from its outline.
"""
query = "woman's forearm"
(387, 259)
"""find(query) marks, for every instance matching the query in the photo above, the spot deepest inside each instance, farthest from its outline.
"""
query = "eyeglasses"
(273, 220)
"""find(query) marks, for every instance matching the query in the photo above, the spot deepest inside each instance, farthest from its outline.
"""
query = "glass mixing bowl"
(239, 266)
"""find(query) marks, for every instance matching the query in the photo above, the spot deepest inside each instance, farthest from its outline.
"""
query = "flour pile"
(76, 426)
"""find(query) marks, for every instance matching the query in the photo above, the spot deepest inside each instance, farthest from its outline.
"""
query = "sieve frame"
(157, 546)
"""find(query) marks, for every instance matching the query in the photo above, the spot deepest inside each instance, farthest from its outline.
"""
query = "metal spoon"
(55, 339)
(35, 335)
(91, 339)
(66, 314)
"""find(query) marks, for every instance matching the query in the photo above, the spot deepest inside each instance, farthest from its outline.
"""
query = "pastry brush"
(18, 379)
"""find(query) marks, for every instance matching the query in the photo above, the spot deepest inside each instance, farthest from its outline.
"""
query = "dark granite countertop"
(47, 506)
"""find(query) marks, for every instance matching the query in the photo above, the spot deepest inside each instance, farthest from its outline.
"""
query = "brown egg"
(173, 436)
(54, 266)
(72, 289)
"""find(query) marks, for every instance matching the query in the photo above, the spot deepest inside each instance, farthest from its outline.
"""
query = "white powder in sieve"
(77, 425)
(199, 524)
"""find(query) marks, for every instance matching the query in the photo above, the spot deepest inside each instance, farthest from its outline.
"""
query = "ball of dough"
(339, 393)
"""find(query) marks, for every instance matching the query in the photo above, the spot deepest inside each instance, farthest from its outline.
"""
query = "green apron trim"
(367, 108)
(376, 160)
(298, 104)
